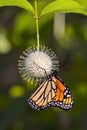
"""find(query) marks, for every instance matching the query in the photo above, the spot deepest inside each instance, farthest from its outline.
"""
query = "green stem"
(37, 24)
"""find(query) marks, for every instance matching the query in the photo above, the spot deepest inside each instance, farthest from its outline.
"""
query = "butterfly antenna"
(63, 67)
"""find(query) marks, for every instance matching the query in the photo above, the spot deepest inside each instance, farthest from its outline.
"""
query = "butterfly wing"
(52, 92)
(64, 97)
(43, 96)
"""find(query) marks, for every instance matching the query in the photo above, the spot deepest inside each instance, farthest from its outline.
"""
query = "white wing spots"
(64, 101)
(68, 96)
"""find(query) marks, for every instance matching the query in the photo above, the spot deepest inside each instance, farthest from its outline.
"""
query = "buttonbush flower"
(37, 64)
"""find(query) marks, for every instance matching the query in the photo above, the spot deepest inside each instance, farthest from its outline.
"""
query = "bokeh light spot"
(16, 91)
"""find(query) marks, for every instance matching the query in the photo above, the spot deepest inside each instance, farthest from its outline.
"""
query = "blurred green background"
(66, 35)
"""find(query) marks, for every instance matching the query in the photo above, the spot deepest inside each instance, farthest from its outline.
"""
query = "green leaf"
(82, 2)
(20, 3)
(64, 6)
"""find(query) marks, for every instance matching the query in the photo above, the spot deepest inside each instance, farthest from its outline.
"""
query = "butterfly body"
(52, 92)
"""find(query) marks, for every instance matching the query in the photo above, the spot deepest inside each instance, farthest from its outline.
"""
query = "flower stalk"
(37, 24)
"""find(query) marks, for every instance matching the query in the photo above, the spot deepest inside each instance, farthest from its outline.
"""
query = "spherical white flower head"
(37, 64)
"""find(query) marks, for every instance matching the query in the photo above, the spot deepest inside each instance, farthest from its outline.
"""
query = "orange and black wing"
(52, 92)
(64, 97)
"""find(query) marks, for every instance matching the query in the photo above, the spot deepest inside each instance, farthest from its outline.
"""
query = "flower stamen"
(34, 64)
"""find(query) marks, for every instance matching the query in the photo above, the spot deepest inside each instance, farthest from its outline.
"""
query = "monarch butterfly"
(52, 92)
